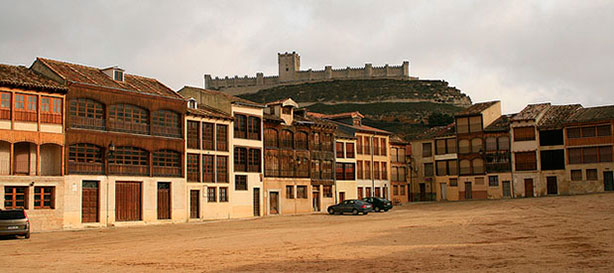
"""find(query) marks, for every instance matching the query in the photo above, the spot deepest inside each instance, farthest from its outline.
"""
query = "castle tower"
(289, 64)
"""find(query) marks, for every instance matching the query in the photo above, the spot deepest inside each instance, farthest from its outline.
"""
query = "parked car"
(353, 206)
(14, 222)
(379, 204)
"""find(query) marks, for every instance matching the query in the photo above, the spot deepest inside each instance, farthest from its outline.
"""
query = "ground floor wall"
(399, 192)
(444, 190)
(41, 219)
(239, 203)
(91, 201)
(588, 184)
(346, 189)
(369, 187)
(280, 201)
(325, 197)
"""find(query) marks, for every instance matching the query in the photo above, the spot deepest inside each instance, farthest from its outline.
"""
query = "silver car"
(14, 222)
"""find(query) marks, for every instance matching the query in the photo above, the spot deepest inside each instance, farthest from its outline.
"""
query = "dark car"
(379, 204)
(14, 222)
(353, 206)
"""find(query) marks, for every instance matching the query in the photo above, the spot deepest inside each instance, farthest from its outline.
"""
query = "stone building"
(399, 152)
(345, 165)
(289, 67)
(32, 146)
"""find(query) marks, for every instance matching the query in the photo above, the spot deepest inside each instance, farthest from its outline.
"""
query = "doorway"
(194, 204)
(273, 203)
(316, 200)
(90, 202)
(608, 181)
(422, 192)
(256, 201)
(552, 185)
(341, 196)
(528, 187)
(164, 200)
(468, 191)
(128, 200)
(444, 191)
(507, 189)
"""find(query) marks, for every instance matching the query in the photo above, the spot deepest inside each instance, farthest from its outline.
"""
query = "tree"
(439, 119)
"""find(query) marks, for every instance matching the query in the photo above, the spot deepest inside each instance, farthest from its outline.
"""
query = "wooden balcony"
(5, 114)
(119, 169)
(87, 123)
(85, 168)
(166, 131)
(167, 171)
(128, 127)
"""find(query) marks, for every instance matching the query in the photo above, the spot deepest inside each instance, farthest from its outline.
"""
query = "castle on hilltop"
(290, 73)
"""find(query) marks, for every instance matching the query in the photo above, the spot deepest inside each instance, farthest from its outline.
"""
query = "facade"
(290, 72)
(32, 146)
(399, 166)
(245, 189)
(345, 166)
(123, 148)
(426, 183)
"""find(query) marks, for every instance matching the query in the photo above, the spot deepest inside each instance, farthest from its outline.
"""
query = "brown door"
(316, 200)
(194, 204)
(422, 192)
(552, 185)
(378, 192)
(164, 200)
(256, 201)
(89, 202)
(273, 202)
(22, 158)
(128, 201)
(528, 187)
(341, 197)
(360, 193)
(468, 191)
(368, 192)
(608, 181)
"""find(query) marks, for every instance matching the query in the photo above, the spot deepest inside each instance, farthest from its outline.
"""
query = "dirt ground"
(570, 233)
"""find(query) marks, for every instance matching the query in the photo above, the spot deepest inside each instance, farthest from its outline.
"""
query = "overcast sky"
(519, 51)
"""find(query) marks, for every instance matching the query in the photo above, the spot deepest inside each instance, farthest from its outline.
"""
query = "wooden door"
(341, 196)
(90, 202)
(444, 191)
(194, 204)
(422, 192)
(256, 201)
(552, 185)
(378, 192)
(528, 187)
(507, 189)
(360, 193)
(468, 191)
(316, 200)
(608, 181)
(273, 202)
(164, 200)
(368, 192)
(128, 198)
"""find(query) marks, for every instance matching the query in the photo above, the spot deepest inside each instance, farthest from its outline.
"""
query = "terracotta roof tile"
(590, 114)
(476, 108)
(531, 112)
(95, 76)
(557, 115)
(231, 98)
(435, 132)
(502, 124)
(209, 112)
(21, 76)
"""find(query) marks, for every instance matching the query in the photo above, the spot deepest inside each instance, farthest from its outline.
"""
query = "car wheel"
(385, 210)
(376, 209)
(365, 213)
(355, 211)
(331, 211)
(27, 236)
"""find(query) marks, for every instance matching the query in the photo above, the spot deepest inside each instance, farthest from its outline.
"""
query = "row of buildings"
(542, 150)
(82, 146)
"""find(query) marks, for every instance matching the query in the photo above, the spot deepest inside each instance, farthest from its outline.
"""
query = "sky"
(519, 52)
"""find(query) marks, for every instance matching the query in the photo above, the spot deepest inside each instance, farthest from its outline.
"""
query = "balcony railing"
(85, 168)
(87, 123)
(128, 127)
(120, 169)
(498, 167)
(25, 116)
(51, 118)
(5, 167)
(167, 131)
(5, 114)
(167, 171)
(193, 176)
(526, 166)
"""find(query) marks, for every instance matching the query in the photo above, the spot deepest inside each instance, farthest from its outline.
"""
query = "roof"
(208, 112)
(439, 131)
(502, 124)
(95, 76)
(531, 112)
(337, 116)
(21, 76)
(395, 139)
(557, 115)
(590, 114)
(231, 98)
(267, 116)
(477, 108)
(283, 102)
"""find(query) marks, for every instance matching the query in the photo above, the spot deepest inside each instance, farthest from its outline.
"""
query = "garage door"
(128, 201)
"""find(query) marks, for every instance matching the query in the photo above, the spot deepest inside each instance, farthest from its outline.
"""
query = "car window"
(352, 202)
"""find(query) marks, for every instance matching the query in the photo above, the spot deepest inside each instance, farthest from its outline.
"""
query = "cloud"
(517, 51)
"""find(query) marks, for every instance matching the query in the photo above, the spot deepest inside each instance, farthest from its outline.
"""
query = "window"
(384, 171)
(253, 128)
(289, 192)
(442, 167)
(211, 194)
(504, 143)
(44, 197)
(25, 107)
(576, 175)
(253, 160)
(491, 144)
(524, 133)
(551, 137)
(427, 150)
(339, 171)
(286, 110)
(452, 167)
(367, 165)
(128, 118)
(552, 160)
(240, 126)
(493, 181)
(384, 147)
(327, 191)
(5, 105)
(301, 141)
(464, 146)
(575, 155)
(208, 169)
(271, 163)
(574, 133)
(440, 147)
(271, 139)
(193, 135)
(316, 144)
(376, 149)
(588, 131)
(526, 161)
(402, 189)
(240, 159)
(476, 145)
(247, 159)
(453, 182)
(345, 171)
(349, 150)
(240, 182)
(465, 167)
(428, 169)
(590, 154)
(316, 170)
(462, 125)
(451, 145)
(604, 130)
(208, 142)
(479, 180)
(475, 124)
(287, 139)
(395, 190)
(301, 192)
(118, 75)
(222, 169)
(591, 174)
(167, 163)
(15, 197)
(193, 165)
(51, 110)
(359, 146)
(367, 145)
(478, 166)
(129, 161)
(376, 173)
(359, 169)
(221, 137)
(340, 151)
(166, 123)
(223, 194)
(605, 154)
